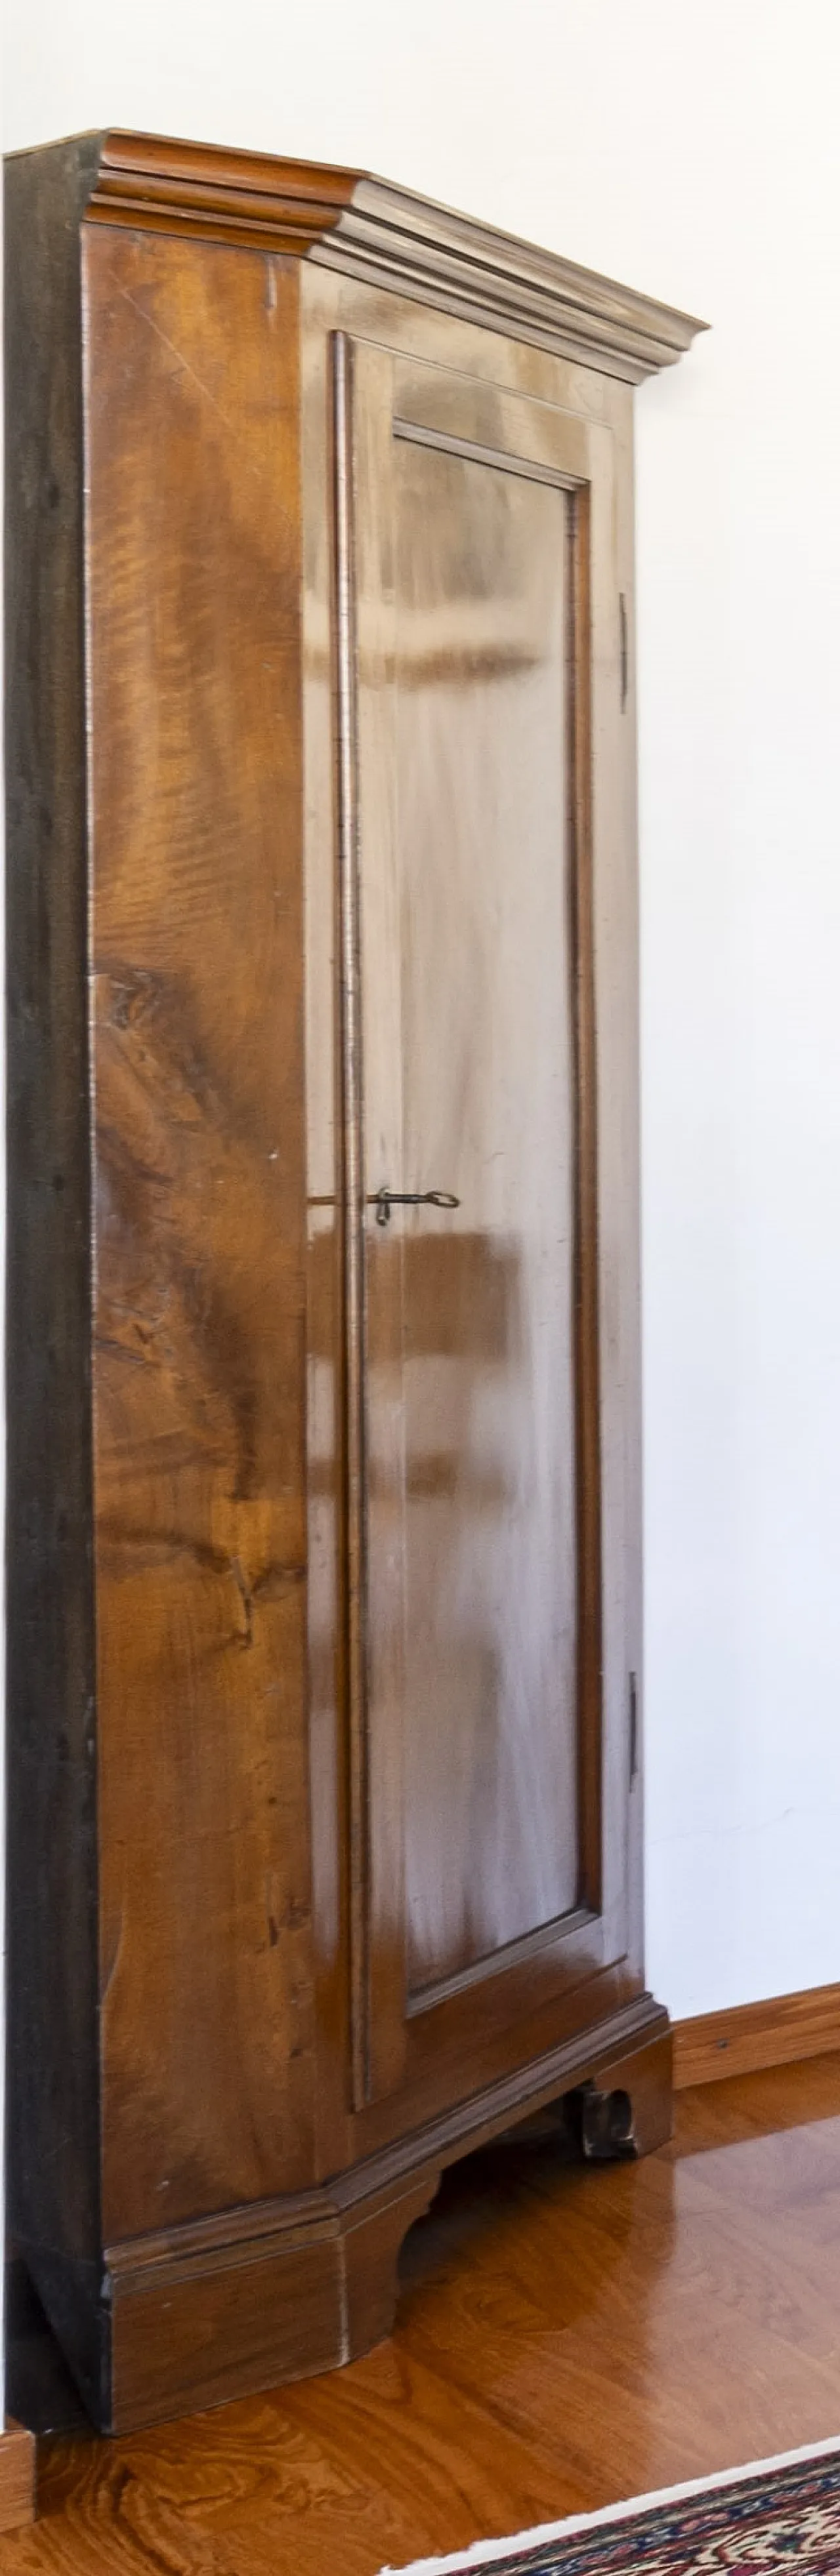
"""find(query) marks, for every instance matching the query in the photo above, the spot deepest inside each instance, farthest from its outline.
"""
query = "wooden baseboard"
(753, 2037)
(17, 2478)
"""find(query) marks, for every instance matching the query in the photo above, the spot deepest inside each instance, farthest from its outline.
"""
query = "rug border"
(483, 2553)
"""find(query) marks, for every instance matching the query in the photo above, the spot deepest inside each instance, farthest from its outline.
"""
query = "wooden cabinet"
(324, 1645)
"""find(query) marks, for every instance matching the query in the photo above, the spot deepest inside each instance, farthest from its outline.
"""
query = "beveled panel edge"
(387, 236)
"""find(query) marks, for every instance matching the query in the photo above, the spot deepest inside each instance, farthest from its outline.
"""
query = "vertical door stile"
(587, 1355)
(370, 1020)
(352, 1194)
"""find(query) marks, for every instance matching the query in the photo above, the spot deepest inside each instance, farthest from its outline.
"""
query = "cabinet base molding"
(17, 2477)
(751, 2038)
(282, 2289)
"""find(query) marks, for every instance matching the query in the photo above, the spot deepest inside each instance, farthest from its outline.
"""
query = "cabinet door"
(476, 605)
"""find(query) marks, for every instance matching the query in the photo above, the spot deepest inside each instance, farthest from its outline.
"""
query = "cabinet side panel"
(200, 1207)
(52, 2094)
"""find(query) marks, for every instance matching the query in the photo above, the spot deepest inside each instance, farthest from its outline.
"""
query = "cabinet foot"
(208, 2320)
(623, 2110)
(371, 2252)
(627, 2109)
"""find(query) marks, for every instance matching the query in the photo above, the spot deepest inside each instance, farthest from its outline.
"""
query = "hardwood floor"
(566, 2337)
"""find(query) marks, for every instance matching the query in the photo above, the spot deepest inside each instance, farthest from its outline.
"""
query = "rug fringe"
(482, 2553)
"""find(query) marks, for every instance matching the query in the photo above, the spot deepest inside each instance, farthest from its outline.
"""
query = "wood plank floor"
(566, 2337)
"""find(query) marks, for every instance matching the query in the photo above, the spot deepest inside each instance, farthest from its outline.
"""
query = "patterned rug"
(772, 2519)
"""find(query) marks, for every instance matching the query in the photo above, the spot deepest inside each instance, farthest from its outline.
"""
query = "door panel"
(490, 1782)
(466, 527)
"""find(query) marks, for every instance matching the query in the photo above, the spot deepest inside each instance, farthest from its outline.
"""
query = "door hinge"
(634, 1727)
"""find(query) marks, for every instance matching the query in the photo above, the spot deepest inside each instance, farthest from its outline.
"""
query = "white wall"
(689, 146)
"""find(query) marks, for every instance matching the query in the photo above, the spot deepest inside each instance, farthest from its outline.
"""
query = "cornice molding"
(153, 185)
(387, 237)
(391, 237)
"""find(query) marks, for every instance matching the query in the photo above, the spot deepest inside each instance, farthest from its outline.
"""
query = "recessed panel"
(486, 1076)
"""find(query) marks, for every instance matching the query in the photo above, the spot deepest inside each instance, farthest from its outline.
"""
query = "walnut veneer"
(323, 1534)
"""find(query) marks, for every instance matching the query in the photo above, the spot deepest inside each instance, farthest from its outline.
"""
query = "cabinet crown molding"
(386, 236)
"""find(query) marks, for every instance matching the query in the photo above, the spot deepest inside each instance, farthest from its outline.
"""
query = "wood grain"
(564, 2339)
(219, 2214)
(155, 184)
(750, 2037)
(17, 2477)
(200, 1293)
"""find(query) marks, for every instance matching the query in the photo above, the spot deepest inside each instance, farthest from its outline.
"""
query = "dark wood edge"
(242, 2234)
(750, 2038)
(74, 2299)
(385, 236)
(52, 1983)
(17, 2477)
